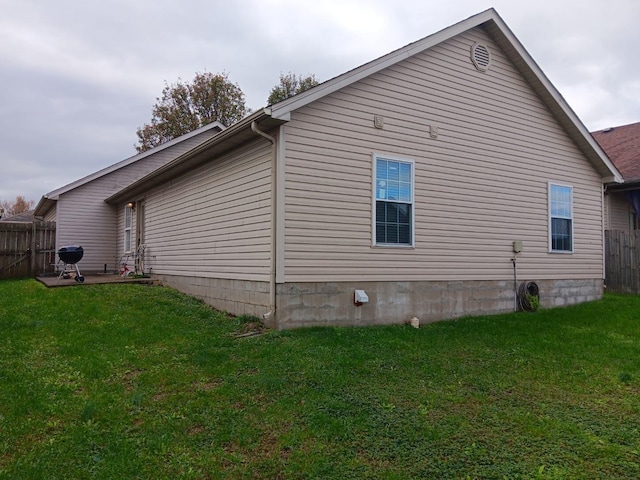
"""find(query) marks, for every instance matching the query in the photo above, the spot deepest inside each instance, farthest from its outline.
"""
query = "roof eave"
(516, 52)
(283, 109)
(129, 160)
(626, 186)
(493, 24)
(190, 159)
(44, 205)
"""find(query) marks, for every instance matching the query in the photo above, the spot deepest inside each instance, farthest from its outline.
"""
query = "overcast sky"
(79, 76)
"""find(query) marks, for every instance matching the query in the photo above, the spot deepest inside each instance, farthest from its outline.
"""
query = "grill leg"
(64, 269)
(79, 278)
(64, 273)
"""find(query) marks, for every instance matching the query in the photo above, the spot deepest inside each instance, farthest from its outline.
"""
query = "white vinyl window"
(128, 216)
(560, 218)
(393, 201)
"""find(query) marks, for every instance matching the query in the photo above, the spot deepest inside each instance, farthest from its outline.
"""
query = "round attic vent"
(480, 56)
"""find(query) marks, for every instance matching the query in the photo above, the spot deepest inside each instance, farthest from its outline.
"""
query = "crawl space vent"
(481, 56)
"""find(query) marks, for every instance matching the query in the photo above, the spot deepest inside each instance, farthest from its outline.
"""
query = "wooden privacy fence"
(26, 249)
(622, 257)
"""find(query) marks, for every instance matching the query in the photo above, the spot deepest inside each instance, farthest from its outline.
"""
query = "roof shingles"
(622, 145)
(24, 217)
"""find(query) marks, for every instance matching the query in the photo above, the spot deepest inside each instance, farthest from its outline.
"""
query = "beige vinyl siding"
(83, 218)
(213, 222)
(619, 212)
(478, 187)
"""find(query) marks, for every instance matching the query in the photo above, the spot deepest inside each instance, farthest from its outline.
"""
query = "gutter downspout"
(269, 317)
(605, 216)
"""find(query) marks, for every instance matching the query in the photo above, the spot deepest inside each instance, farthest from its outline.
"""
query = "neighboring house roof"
(622, 145)
(24, 217)
(47, 200)
(280, 112)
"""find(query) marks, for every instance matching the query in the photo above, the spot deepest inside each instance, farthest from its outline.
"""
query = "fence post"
(32, 247)
(635, 271)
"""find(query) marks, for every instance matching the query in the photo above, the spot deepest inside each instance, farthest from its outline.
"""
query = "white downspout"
(605, 216)
(269, 317)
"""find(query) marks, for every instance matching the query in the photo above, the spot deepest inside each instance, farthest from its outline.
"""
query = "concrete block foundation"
(238, 297)
(332, 303)
(329, 303)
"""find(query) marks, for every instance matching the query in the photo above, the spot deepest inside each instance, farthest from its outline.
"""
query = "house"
(622, 202)
(398, 189)
(24, 217)
(83, 218)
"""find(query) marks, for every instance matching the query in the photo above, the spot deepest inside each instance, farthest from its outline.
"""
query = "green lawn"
(135, 381)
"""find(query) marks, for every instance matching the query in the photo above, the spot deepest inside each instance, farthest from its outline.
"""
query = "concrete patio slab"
(54, 282)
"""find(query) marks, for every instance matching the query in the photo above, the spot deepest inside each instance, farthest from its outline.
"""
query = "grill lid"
(71, 253)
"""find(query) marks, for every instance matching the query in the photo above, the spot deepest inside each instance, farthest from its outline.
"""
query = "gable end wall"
(480, 185)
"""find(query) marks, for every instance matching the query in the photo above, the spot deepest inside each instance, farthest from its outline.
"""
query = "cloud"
(80, 77)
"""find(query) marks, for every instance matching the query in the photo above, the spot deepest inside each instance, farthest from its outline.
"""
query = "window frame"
(128, 213)
(551, 217)
(374, 198)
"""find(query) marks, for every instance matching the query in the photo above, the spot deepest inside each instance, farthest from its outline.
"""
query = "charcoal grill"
(70, 256)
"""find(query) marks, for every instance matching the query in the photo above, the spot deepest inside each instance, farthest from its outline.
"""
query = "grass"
(135, 381)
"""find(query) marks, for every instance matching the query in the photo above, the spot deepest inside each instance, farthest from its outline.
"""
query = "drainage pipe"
(515, 283)
(269, 317)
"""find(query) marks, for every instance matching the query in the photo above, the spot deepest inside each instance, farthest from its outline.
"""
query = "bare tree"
(20, 205)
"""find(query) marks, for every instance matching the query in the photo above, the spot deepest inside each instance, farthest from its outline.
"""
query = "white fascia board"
(556, 96)
(282, 110)
(612, 179)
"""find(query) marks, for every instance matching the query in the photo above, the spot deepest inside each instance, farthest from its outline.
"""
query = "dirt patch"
(251, 329)
(207, 386)
(130, 379)
(158, 397)
(195, 430)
